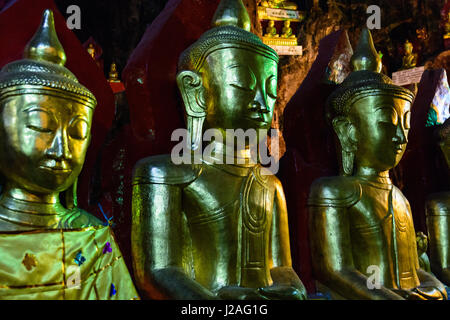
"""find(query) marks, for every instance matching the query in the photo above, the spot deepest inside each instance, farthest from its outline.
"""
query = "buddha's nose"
(401, 135)
(260, 102)
(59, 149)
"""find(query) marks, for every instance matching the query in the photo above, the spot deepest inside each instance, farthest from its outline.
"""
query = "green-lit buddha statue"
(286, 32)
(271, 31)
(438, 218)
(211, 230)
(363, 240)
(409, 59)
(50, 249)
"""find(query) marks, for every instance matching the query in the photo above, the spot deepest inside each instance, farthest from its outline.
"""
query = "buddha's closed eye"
(40, 120)
(78, 128)
(387, 115)
(241, 77)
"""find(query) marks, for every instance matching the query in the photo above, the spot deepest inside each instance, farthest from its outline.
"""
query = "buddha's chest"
(381, 210)
(245, 199)
(383, 235)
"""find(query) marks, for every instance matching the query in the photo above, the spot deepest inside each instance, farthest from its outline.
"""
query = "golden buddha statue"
(438, 218)
(279, 4)
(91, 51)
(363, 240)
(271, 31)
(422, 247)
(213, 230)
(286, 32)
(410, 58)
(50, 248)
(113, 75)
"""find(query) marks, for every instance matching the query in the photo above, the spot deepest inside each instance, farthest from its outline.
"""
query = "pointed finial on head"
(45, 46)
(365, 56)
(232, 13)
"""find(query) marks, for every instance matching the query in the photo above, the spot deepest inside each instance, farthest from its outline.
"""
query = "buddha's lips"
(258, 118)
(399, 149)
(56, 166)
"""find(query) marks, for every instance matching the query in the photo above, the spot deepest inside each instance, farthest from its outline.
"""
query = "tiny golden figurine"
(410, 58)
(363, 240)
(216, 230)
(91, 51)
(286, 32)
(113, 75)
(50, 249)
(438, 217)
(271, 31)
(279, 4)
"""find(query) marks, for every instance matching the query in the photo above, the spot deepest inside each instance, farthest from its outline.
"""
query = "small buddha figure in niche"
(410, 58)
(91, 51)
(422, 247)
(360, 223)
(438, 216)
(271, 31)
(216, 230)
(279, 4)
(113, 75)
(286, 32)
(50, 248)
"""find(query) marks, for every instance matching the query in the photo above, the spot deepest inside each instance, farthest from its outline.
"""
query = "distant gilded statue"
(271, 30)
(410, 58)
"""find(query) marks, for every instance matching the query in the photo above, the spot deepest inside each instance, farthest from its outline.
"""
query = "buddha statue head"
(228, 78)
(45, 118)
(369, 114)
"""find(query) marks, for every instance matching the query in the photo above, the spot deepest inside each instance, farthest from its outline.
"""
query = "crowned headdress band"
(42, 68)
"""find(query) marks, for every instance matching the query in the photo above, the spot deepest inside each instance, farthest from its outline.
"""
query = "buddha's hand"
(282, 292)
(422, 293)
(240, 293)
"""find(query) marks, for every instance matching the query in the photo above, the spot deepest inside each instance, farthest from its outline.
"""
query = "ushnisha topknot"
(365, 80)
(42, 69)
(230, 28)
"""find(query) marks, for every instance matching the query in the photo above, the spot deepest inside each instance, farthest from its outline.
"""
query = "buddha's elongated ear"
(192, 91)
(347, 137)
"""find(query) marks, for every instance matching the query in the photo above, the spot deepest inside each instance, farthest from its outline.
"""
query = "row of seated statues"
(286, 32)
(209, 230)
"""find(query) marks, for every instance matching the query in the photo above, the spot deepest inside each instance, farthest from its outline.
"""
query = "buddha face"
(381, 124)
(43, 141)
(240, 89)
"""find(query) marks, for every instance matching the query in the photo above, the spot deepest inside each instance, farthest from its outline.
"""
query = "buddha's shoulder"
(338, 191)
(78, 218)
(161, 170)
(438, 203)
